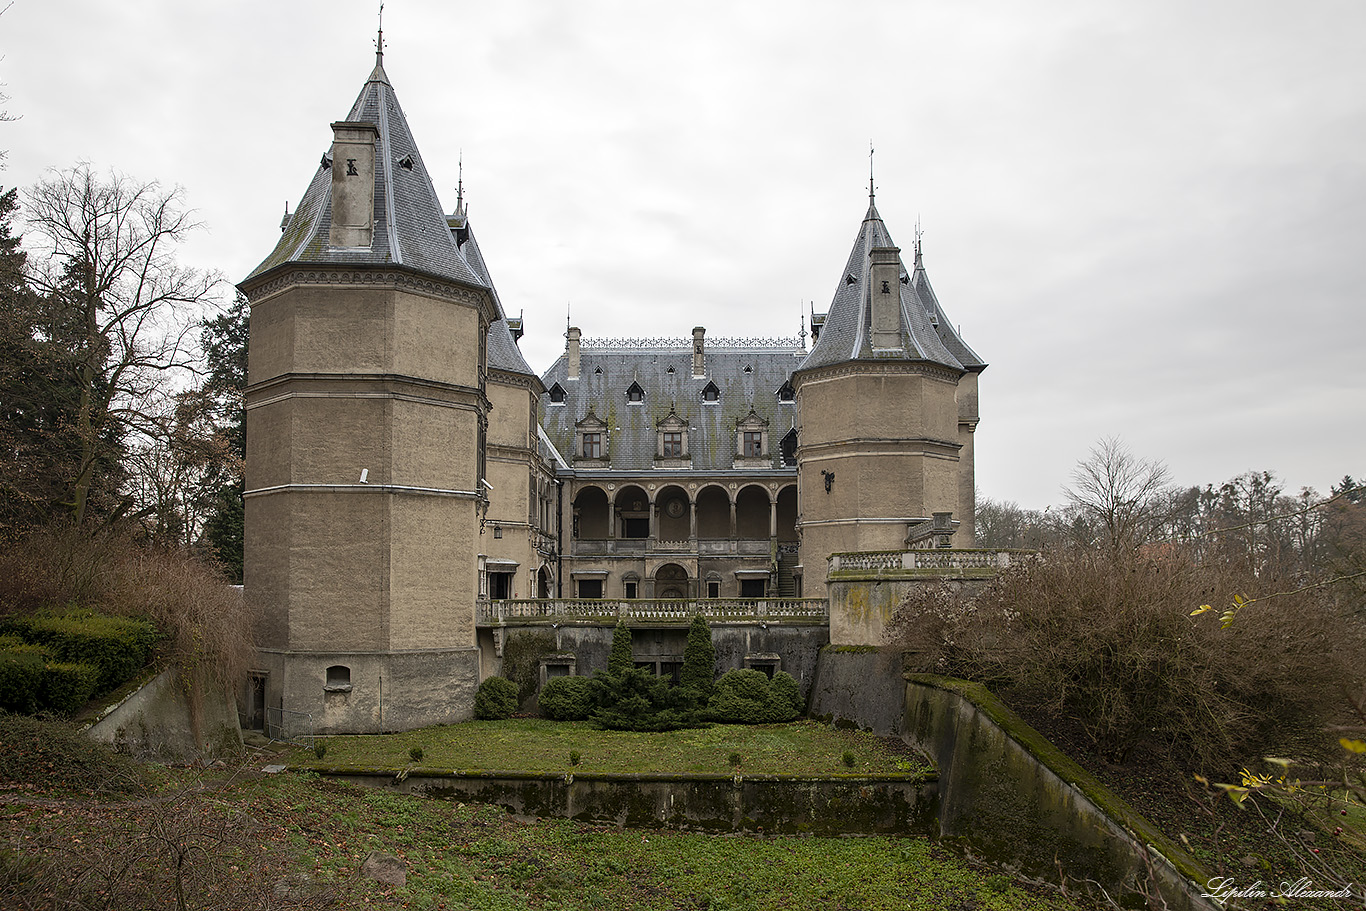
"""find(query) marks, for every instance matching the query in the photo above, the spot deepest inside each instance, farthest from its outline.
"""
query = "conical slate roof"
(926, 333)
(409, 229)
(503, 351)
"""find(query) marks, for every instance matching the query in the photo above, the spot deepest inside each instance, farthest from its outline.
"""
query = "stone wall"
(900, 804)
(167, 719)
(794, 646)
(1009, 796)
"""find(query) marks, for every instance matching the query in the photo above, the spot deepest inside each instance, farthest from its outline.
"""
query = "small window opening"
(557, 394)
(713, 589)
(632, 588)
(338, 679)
(710, 393)
(635, 393)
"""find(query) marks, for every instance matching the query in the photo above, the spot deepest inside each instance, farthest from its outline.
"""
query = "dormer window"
(635, 393)
(711, 393)
(786, 393)
(591, 440)
(557, 394)
(672, 449)
(751, 441)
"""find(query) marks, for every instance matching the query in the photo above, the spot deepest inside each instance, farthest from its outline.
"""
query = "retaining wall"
(901, 804)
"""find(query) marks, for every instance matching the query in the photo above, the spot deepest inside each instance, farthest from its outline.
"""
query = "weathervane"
(870, 171)
(379, 42)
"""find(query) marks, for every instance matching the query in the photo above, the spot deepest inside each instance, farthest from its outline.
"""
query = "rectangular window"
(754, 443)
(590, 588)
(713, 589)
(673, 445)
(500, 585)
(631, 589)
(753, 588)
(592, 445)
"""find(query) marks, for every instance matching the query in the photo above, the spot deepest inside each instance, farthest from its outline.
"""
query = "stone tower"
(366, 421)
(887, 401)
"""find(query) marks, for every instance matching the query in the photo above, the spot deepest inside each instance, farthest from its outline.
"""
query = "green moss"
(1043, 750)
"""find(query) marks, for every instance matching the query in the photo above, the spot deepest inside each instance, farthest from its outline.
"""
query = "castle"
(412, 483)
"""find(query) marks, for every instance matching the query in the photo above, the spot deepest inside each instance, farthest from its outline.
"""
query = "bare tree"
(1118, 499)
(120, 305)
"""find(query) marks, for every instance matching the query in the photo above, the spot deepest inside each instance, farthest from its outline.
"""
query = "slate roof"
(846, 333)
(502, 347)
(409, 229)
(607, 372)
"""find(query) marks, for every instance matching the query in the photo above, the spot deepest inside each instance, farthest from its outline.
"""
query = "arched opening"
(633, 513)
(671, 581)
(713, 513)
(752, 514)
(675, 514)
(590, 514)
(542, 583)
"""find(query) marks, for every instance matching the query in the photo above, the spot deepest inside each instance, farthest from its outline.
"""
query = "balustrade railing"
(774, 610)
(924, 560)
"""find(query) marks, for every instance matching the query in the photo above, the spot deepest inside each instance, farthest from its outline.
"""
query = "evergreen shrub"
(21, 678)
(567, 698)
(749, 697)
(699, 660)
(68, 686)
(117, 646)
(495, 699)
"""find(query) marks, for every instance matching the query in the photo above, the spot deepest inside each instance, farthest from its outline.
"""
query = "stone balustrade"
(934, 561)
(681, 611)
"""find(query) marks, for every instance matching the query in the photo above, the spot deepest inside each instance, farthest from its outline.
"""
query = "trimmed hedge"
(495, 699)
(567, 698)
(117, 646)
(21, 679)
(67, 687)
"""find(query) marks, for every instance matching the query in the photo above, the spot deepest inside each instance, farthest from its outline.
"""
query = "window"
(711, 393)
(557, 394)
(500, 586)
(673, 445)
(753, 588)
(786, 393)
(635, 393)
(789, 447)
(713, 589)
(590, 588)
(592, 445)
(754, 444)
(631, 590)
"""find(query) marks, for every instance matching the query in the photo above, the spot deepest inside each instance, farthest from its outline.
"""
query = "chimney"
(699, 364)
(572, 349)
(885, 290)
(353, 184)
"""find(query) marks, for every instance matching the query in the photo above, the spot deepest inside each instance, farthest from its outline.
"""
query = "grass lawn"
(296, 840)
(799, 748)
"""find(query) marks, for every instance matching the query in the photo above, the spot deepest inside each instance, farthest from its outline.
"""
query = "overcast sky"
(1147, 217)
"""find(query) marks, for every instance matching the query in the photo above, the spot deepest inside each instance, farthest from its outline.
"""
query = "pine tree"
(699, 659)
(620, 660)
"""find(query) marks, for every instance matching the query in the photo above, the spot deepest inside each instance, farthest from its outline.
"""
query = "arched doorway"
(671, 581)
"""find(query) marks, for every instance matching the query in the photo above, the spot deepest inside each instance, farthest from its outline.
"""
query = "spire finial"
(460, 184)
(801, 308)
(919, 233)
(871, 191)
(379, 42)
